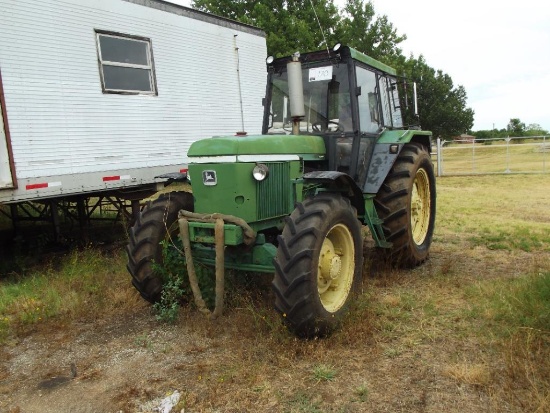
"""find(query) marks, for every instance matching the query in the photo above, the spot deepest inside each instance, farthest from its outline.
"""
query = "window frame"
(150, 66)
(391, 111)
(368, 102)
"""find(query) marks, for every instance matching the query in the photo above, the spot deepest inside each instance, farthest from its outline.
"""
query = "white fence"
(512, 155)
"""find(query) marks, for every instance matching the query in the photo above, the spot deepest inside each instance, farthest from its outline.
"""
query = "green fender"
(385, 154)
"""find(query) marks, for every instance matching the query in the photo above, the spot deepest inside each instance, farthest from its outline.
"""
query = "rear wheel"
(406, 203)
(158, 221)
(318, 265)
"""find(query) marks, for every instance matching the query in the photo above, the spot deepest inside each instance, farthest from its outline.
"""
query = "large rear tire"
(156, 222)
(318, 266)
(406, 204)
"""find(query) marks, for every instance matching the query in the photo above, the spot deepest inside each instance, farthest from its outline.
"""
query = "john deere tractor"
(334, 155)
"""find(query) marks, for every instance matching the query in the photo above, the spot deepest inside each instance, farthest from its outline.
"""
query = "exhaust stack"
(295, 92)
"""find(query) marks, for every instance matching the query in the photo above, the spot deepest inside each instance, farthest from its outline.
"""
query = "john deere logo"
(209, 178)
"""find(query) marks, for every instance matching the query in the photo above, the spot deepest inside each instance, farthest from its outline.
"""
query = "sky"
(498, 50)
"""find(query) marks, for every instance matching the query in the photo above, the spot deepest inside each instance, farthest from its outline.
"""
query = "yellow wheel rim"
(336, 268)
(420, 206)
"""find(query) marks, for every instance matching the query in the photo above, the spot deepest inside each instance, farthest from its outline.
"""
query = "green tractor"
(334, 155)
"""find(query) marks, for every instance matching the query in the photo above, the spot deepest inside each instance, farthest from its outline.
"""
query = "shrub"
(176, 288)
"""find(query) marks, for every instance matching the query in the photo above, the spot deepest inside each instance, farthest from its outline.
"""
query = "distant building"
(464, 138)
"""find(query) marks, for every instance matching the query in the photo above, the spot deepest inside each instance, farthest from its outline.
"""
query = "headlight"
(260, 172)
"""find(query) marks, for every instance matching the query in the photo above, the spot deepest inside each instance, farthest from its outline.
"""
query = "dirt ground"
(246, 362)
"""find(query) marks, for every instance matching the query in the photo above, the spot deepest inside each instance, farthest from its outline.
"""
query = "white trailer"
(103, 96)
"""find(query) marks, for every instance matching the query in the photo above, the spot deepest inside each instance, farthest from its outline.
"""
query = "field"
(496, 157)
(468, 331)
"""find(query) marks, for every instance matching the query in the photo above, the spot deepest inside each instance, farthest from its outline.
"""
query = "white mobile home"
(105, 95)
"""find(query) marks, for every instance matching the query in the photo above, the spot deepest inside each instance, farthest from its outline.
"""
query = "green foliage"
(515, 128)
(176, 287)
(362, 392)
(293, 26)
(441, 105)
(373, 35)
(322, 372)
(290, 26)
(167, 308)
(534, 129)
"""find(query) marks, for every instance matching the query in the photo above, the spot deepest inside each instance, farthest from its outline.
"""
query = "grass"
(529, 156)
(500, 212)
(322, 372)
(82, 284)
(469, 328)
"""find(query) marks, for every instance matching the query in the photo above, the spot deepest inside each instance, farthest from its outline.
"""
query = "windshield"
(326, 101)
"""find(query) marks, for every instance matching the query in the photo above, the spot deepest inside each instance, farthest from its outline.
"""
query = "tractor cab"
(348, 98)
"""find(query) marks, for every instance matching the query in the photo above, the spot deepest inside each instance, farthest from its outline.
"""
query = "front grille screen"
(274, 192)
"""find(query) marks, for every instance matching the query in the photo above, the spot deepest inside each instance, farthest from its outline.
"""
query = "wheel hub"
(336, 268)
(420, 207)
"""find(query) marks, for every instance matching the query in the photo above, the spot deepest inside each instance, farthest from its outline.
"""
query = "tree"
(534, 129)
(373, 35)
(290, 25)
(516, 127)
(441, 105)
(513, 129)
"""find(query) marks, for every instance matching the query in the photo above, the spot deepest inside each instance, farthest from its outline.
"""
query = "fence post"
(508, 139)
(439, 156)
(543, 154)
(473, 155)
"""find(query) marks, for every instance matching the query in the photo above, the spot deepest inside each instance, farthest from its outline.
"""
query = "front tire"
(158, 221)
(318, 266)
(406, 204)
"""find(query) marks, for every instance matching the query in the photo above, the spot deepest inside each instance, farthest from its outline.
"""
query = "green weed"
(302, 403)
(362, 392)
(176, 287)
(323, 372)
(143, 341)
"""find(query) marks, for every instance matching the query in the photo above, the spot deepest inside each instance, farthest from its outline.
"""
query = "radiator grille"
(274, 192)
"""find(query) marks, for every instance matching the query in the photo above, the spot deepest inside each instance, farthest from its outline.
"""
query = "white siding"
(62, 123)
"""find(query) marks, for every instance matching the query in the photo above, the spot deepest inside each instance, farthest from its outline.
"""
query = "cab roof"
(343, 53)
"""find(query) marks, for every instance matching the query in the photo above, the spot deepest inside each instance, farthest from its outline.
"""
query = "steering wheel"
(320, 126)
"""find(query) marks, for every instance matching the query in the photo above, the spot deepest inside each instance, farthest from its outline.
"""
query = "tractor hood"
(307, 147)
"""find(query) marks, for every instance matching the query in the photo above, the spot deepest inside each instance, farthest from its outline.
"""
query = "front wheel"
(406, 204)
(157, 222)
(318, 265)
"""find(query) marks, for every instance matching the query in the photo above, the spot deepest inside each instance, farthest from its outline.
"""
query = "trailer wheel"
(318, 265)
(406, 203)
(156, 222)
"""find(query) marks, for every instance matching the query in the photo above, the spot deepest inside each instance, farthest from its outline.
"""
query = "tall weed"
(176, 286)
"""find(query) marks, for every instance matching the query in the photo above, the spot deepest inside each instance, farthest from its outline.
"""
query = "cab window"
(369, 115)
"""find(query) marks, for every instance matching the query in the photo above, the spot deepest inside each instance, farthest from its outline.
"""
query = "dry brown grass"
(474, 374)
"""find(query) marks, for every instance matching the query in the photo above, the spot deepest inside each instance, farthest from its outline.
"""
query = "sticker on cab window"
(317, 74)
